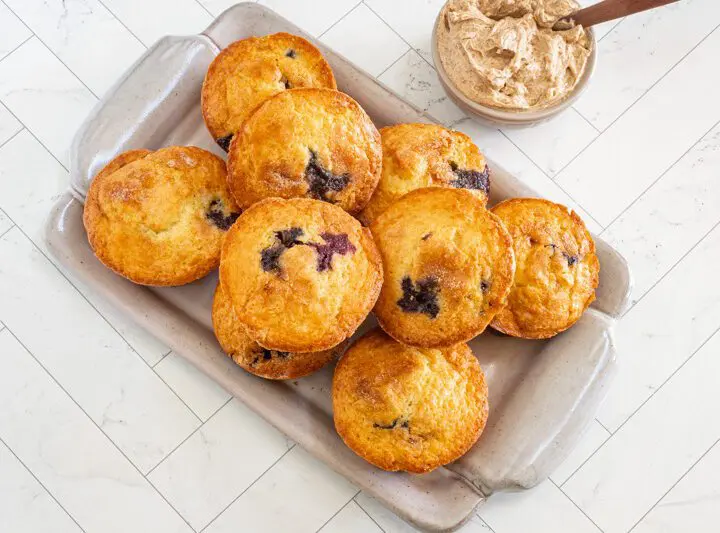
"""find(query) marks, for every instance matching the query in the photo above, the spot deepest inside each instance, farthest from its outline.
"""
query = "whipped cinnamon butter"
(505, 54)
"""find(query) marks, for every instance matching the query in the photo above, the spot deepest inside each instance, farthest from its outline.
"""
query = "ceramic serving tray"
(542, 393)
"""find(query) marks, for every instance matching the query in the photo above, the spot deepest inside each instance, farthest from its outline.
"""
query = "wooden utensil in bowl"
(608, 10)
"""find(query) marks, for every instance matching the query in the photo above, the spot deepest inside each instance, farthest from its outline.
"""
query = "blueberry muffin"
(314, 143)
(411, 409)
(249, 71)
(269, 364)
(426, 155)
(557, 269)
(301, 274)
(448, 266)
(158, 218)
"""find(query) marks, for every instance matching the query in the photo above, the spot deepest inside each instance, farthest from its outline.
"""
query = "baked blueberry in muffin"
(249, 71)
(448, 266)
(312, 143)
(426, 155)
(269, 364)
(301, 274)
(405, 408)
(557, 268)
(158, 218)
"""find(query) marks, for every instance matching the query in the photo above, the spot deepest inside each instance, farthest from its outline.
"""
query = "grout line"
(92, 421)
(82, 295)
(609, 436)
(587, 211)
(161, 359)
(42, 252)
(484, 522)
(363, 2)
(674, 484)
(25, 128)
(668, 71)
(674, 163)
(657, 389)
(138, 39)
(368, 514)
(247, 488)
(167, 501)
(573, 158)
(152, 368)
(671, 269)
(403, 55)
(188, 437)
(67, 67)
(319, 36)
(612, 433)
(338, 511)
(577, 506)
(628, 108)
(107, 321)
(12, 225)
(38, 480)
(50, 49)
(668, 379)
(391, 65)
(612, 28)
(22, 43)
(476, 514)
(603, 426)
(586, 120)
(22, 127)
(198, 2)
(412, 48)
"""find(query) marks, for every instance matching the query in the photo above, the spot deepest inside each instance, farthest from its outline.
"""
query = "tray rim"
(65, 201)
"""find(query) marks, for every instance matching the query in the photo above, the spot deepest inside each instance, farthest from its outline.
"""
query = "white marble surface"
(102, 430)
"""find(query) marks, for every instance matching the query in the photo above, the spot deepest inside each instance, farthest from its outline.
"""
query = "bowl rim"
(519, 117)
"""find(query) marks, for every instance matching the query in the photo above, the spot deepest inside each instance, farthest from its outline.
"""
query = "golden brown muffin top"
(426, 155)
(158, 218)
(269, 364)
(411, 409)
(557, 269)
(248, 72)
(314, 143)
(448, 266)
(301, 274)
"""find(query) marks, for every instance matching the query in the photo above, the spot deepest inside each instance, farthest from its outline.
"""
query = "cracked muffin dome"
(426, 155)
(249, 71)
(314, 143)
(557, 269)
(248, 354)
(405, 408)
(301, 274)
(158, 218)
(448, 266)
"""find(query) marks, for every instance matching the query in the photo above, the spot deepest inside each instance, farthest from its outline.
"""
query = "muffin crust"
(158, 218)
(248, 354)
(411, 409)
(301, 274)
(426, 155)
(251, 70)
(557, 268)
(313, 143)
(448, 267)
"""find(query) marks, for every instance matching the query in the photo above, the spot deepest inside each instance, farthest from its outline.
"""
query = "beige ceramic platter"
(542, 393)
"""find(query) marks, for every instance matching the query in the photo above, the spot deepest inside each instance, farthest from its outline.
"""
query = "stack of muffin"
(299, 272)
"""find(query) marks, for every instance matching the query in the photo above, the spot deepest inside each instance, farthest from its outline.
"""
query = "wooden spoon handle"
(613, 9)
